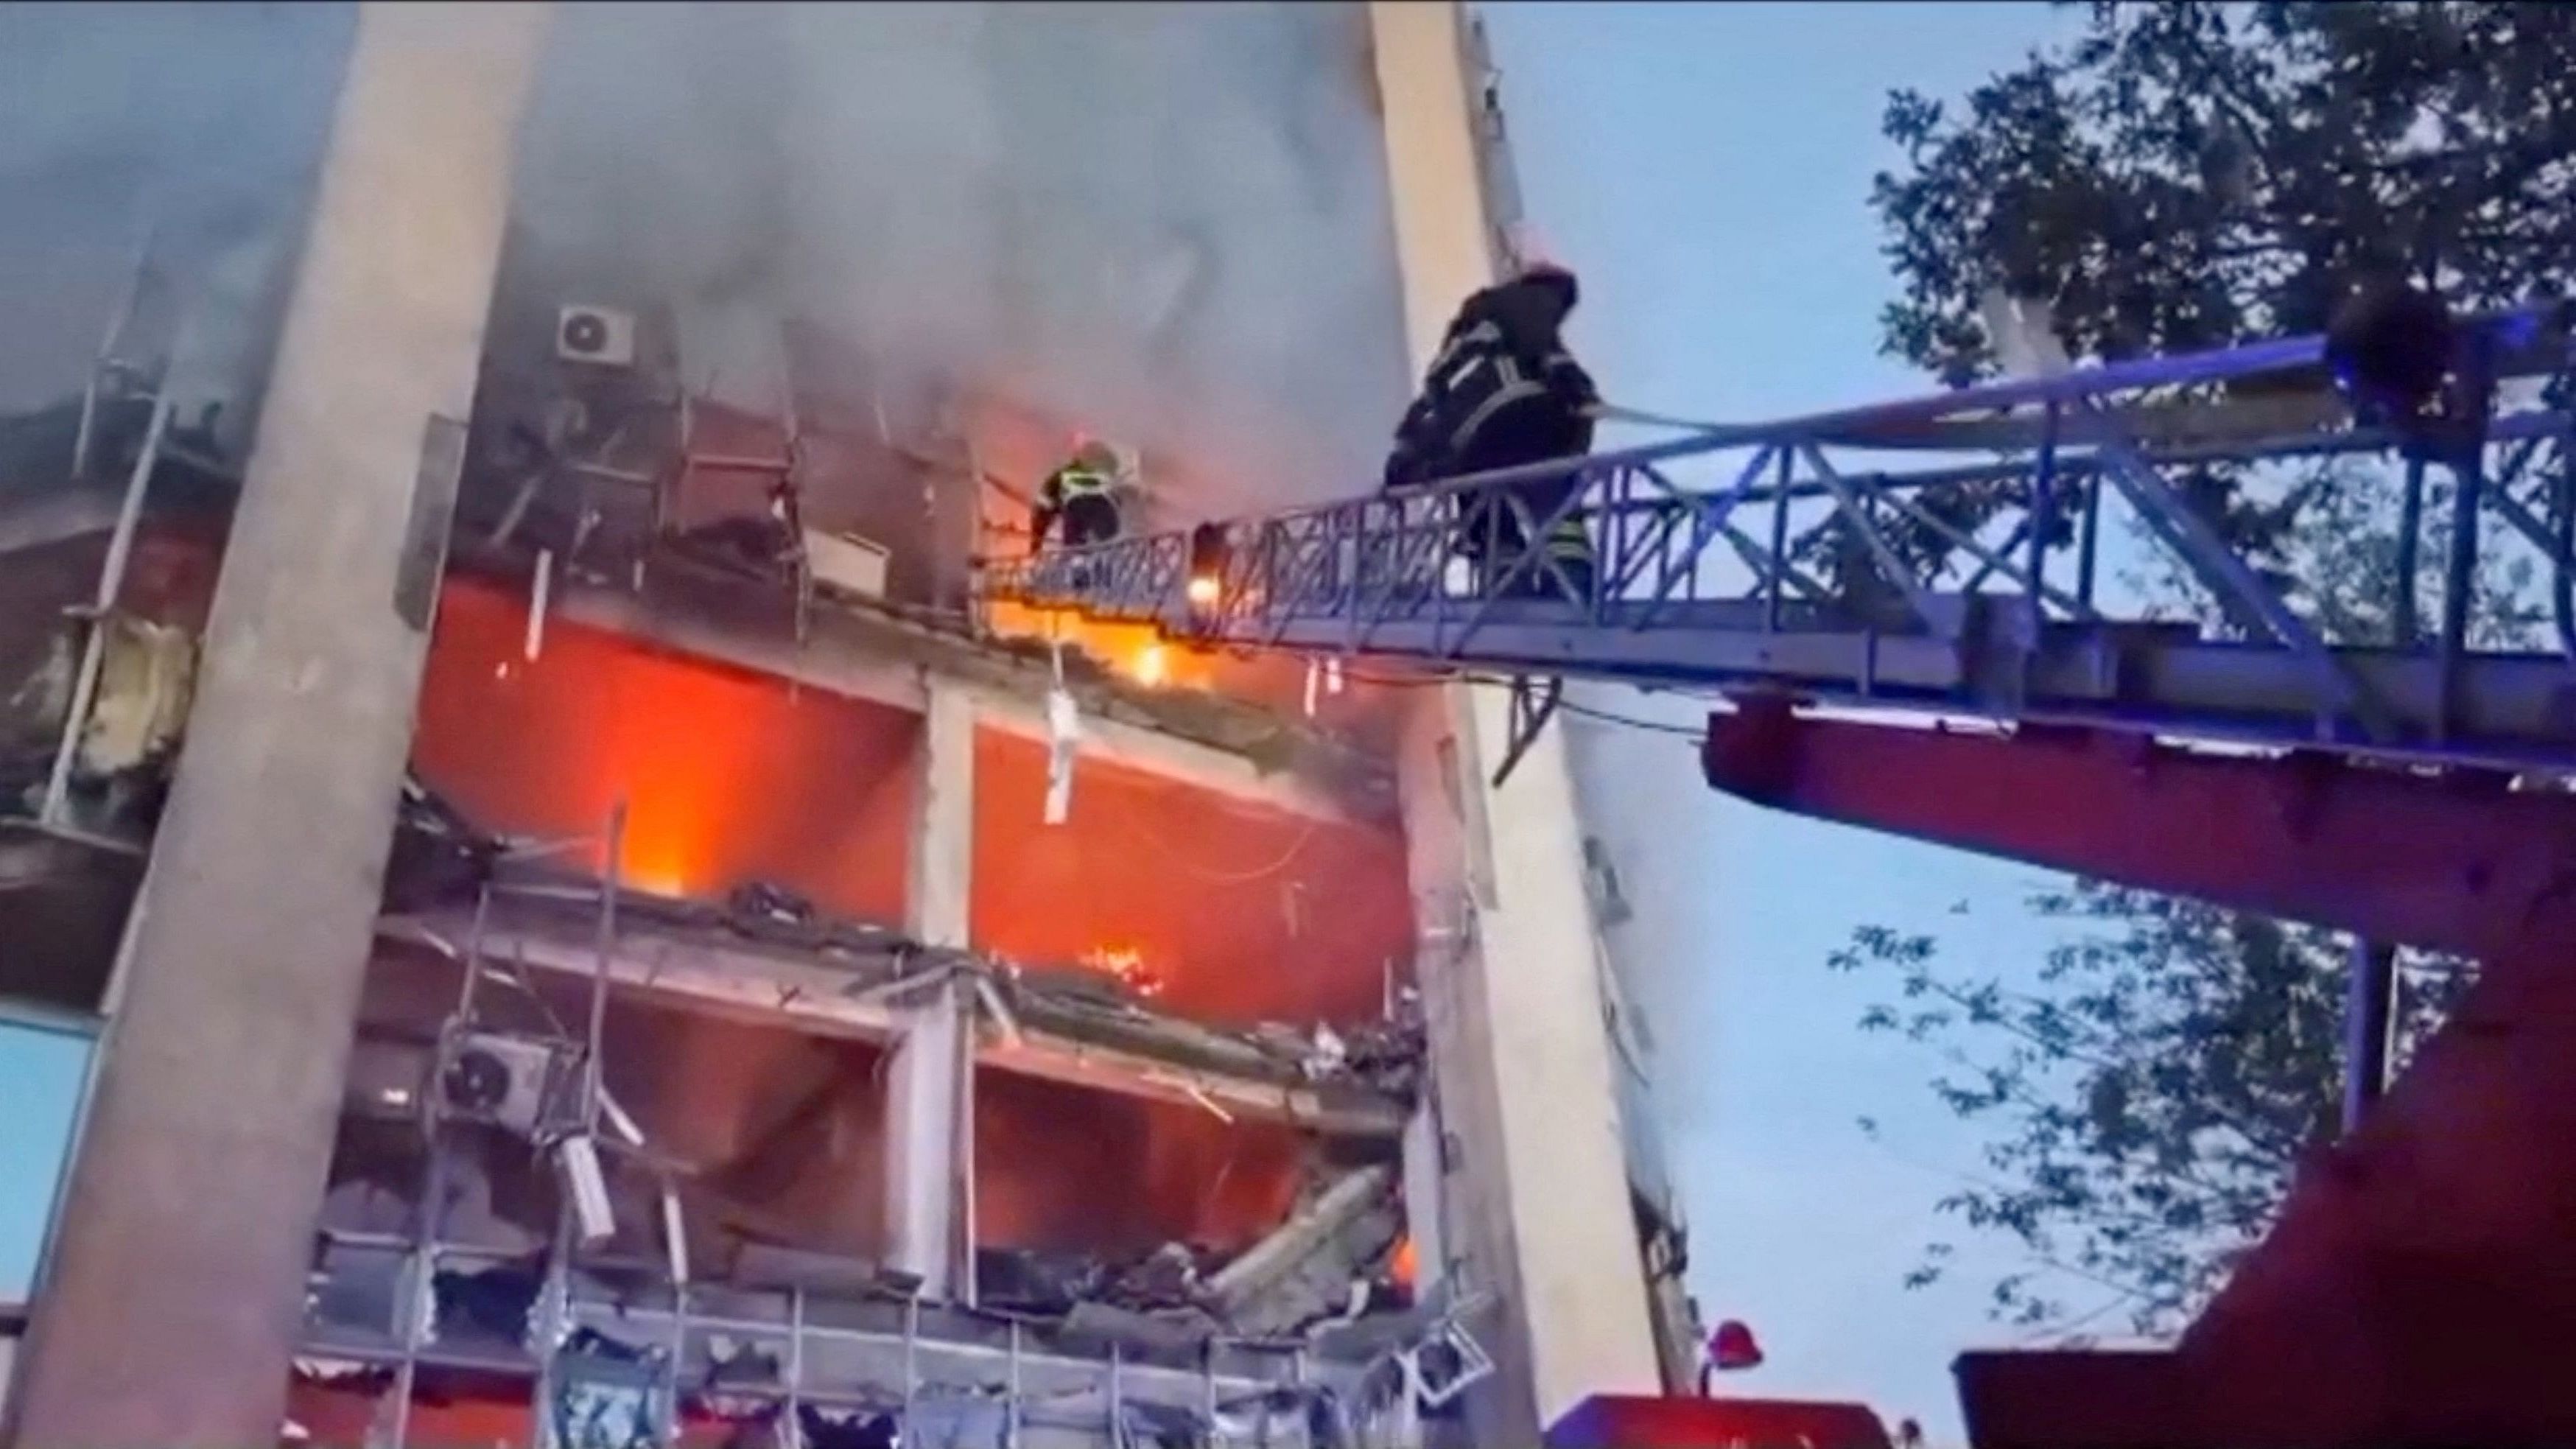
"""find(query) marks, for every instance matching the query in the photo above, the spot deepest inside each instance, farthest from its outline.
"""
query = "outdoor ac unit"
(600, 335)
(504, 1080)
(846, 563)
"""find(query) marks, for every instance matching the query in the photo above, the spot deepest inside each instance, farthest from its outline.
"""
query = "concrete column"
(1538, 1199)
(930, 1076)
(175, 1295)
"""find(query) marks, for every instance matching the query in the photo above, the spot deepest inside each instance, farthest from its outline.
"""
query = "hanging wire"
(1295, 847)
(1494, 681)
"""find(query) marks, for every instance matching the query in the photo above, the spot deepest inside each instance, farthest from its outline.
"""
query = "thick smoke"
(199, 125)
(1168, 223)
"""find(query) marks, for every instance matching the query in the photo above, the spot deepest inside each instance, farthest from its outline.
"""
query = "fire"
(1128, 965)
(1138, 651)
(1401, 1266)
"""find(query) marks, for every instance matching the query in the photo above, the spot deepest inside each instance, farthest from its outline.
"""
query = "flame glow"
(1128, 965)
(1138, 651)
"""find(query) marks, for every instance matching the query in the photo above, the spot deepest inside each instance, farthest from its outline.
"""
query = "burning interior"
(678, 994)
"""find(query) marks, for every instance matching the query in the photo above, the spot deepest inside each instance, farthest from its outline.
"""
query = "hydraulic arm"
(2349, 754)
(1962, 555)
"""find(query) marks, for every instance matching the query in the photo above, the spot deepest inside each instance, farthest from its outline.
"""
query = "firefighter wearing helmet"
(1082, 496)
(1505, 392)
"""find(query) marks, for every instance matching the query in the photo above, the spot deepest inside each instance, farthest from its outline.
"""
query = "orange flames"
(1138, 651)
(1401, 1266)
(1128, 965)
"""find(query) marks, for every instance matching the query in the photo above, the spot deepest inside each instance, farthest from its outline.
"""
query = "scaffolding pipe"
(111, 581)
(420, 1259)
(105, 360)
(593, 1079)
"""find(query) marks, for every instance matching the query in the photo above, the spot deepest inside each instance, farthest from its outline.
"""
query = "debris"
(768, 1265)
(765, 911)
(1168, 1277)
(1127, 965)
(577, 1158)
(1165, 1331)
(1026, 1280)
(605, 1395)
(1005, 1020)
(1302, 1272)
(535, 644)
(1444, 1366)
(739, 1361)
(1215, 1108)
(437, 852)
(1327, 1054)
(1064, 736)
(858, 1430)
(491, 1302)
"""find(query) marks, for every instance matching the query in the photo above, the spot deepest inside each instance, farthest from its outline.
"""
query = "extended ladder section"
(2057, 550)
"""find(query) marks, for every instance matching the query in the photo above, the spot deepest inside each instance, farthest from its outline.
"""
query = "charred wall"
(1065, 1169)
(730, 776)
(776, 1134)
(1239, 914)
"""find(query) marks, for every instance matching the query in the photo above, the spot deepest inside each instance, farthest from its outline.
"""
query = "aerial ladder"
(1922, 617)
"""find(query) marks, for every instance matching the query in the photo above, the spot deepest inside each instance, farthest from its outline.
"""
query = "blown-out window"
(41, 1067)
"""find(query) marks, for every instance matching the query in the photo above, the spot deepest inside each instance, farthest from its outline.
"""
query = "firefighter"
(1502, 393)
(1081, 494)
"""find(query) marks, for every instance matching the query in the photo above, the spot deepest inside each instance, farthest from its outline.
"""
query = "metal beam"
(204, 1145)
(930, 1082)
(2458, 863)
(767, 989)
(900, 668)
(1365, 576)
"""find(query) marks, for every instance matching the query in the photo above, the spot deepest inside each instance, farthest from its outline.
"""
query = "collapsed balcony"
(740, 1049)
(1190, 1046)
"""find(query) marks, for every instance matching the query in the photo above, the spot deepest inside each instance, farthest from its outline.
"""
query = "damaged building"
(798, 1003)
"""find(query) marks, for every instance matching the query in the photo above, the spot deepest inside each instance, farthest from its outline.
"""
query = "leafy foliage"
(2150, 1088)
(2191, 174)
(2183, 176)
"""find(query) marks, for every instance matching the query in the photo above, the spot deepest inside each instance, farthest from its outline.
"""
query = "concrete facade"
(172, 1303)
(174, 1296)
(1520, 1044)
(927, 1120)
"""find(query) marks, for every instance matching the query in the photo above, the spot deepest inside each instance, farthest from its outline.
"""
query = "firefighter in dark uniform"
(1082, 496)
(1502, 393)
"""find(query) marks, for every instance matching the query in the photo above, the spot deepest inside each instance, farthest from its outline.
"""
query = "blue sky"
(1706, 168)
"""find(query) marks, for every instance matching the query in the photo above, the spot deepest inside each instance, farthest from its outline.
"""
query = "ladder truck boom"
(1959, 558)
(1944, 556)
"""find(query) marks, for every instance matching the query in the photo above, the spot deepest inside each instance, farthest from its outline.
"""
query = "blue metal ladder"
(1941, 556)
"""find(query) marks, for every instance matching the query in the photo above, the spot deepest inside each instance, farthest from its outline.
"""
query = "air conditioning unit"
(846, 563)
(602, 336)
(504, 1080)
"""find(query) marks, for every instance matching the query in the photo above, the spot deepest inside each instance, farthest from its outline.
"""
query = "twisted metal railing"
(1841, 557)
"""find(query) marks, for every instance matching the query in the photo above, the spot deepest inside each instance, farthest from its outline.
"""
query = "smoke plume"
(1168, 223)
(197, 126)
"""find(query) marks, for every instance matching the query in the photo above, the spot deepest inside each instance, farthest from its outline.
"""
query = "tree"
(2188, 175)
(2183, 176)
(2151, 1085)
